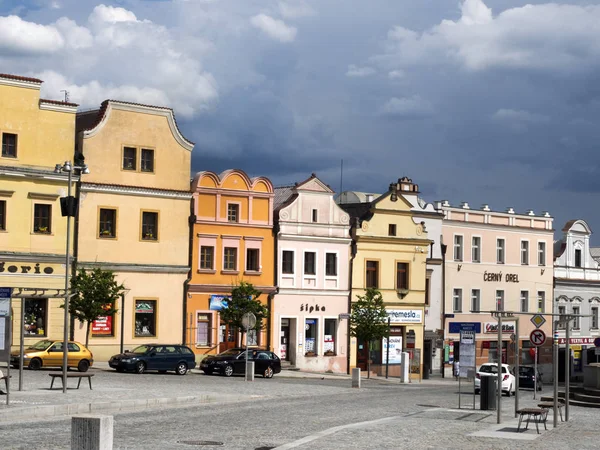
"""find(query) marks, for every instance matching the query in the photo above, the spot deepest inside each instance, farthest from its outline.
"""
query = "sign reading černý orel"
(498, 276)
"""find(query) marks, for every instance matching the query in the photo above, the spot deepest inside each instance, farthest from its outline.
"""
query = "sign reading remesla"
(405, 315)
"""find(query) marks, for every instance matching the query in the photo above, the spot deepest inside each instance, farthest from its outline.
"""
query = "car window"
(274, 356)
(73, 347)
(186, 351)
(488, 369)
(41, 345)
(230, 352)
(141, 349)
(170, 349)
(57, 347)
(262, 355)
(525, 370)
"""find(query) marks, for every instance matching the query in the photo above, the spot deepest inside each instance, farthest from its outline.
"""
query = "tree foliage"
(244, 299)
(96, 293)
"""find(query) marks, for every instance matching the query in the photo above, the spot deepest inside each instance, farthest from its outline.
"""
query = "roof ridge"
(9, 76)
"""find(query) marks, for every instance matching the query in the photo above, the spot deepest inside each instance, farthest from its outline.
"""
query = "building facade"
(312, 254)
(577, 292)
(134, 220)
(232, 242)
(496, 261)
(36, 135)
(390, 252)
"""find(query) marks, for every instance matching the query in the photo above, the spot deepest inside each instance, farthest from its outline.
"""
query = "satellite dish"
(249, 321)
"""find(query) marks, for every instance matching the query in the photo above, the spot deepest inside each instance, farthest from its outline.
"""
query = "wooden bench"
(550, 406)
(538, 414)
(80, 376)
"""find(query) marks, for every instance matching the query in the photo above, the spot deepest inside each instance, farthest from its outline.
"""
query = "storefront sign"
(492, 327)
(310, 309)
(102, 326)
(395, 350)
(578, 340)
(218, 302)
(456, 327)
(497, 277)
(25, 268)
(405, 315)
(142, 307)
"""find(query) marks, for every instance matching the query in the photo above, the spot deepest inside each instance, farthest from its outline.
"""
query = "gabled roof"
(20, 78)
(283, 196)
(57, 102)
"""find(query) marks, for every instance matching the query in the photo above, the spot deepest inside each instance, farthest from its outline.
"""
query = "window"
(41, 218)
(331, 264)
(310, 337)
(524, 301)
(129, 158)
(3, 215)
(458, 248)
(372, 274)
(207, 257)
(594, 311)
(499, 300)
(149, 226)
(145, 318)
(427, 290)
(9, 145)
(392, 229)
(203, 328)
(541, 302)
(230, 258)
(147, 160)
(36, 317)
(524, 253)
(541, 253)
(401, 275)
(108, 223)
(500, 251)
(233, 212)
(315, 215)
(287, 261)
(576, 312)
(476, 249)
(562, 310)
(309, 263)
(475, 300)
(577, 257)
(252, 260)
(457, 300)
(329, 337)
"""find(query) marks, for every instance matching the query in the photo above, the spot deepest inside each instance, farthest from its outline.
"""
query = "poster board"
(395, 350)
(467, 353)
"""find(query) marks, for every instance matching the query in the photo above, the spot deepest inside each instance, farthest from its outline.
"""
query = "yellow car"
(49, 353)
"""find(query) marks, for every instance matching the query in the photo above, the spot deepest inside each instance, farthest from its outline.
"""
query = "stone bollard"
(250, 372)
(92, 432)
(356, 377)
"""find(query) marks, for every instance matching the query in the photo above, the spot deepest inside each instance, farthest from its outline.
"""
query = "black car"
(233, 361)
(161, 357)
(527, 378)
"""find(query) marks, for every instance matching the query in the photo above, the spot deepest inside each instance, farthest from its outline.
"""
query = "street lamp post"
(68, 209)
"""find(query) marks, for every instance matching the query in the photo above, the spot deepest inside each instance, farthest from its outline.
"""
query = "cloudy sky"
(485, 101)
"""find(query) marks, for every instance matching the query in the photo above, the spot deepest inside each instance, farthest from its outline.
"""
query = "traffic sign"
(597, 342)
(538, 320)
(537, 337)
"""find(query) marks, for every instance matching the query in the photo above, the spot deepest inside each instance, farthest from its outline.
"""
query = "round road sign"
(537, 337)
(597, 342)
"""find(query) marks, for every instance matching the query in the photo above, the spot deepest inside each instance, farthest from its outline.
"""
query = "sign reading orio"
(25, 268)
(492, 327)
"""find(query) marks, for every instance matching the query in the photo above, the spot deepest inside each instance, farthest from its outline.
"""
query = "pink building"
(313, 253)
(496, 261)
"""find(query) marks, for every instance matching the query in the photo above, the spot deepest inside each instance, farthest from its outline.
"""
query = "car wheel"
(140, 367)
(83, 365)
(181, 369)
(228, 370)
(35, 364)
(268, 372)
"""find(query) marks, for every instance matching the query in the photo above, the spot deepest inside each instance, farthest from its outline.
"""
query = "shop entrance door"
(362, 355)
(284, 344)
(228, 337)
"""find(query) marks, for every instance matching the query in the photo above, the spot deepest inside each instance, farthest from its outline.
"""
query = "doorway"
(284, 340)
(228, 337)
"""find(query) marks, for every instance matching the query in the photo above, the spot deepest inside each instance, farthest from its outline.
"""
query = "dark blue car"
(159, 357)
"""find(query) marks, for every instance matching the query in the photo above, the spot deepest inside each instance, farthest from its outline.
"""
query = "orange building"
(232, 242)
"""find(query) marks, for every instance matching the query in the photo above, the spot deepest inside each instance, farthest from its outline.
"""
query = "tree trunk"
(368, 359)
(87, 334)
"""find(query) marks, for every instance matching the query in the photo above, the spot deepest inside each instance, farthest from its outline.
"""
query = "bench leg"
(536, 419)
(52, 384)
(560, 411)
(90, 380)
(520, 420)
(79, 384)
(528, 419)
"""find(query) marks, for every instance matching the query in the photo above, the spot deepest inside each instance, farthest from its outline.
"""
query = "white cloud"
(519, 115)
(408, 107)
(274, 28)
(20, 36)
(295, 8)
(110, 14)
(396, 74)
(75, 37)
(359, 72)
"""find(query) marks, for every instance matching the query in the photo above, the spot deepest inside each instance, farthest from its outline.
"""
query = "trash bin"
(487, 393)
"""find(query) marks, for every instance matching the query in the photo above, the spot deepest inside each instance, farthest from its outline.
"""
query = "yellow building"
(232, 242)
(391, 250)
(36, 135)
(133, 219)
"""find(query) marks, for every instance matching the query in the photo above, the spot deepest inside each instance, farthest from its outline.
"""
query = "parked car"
(49, 353)
(491, 369)
(527, 378)
(161, 357)
(233, 361)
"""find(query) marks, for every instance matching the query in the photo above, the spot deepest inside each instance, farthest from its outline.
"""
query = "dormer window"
(577, 257)
(315, 216)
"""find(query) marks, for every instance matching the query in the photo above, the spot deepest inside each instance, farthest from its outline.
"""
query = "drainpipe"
(186, 283)
(444, 247)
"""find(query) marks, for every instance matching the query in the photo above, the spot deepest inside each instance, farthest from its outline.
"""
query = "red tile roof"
(57, 102)
(20, 78)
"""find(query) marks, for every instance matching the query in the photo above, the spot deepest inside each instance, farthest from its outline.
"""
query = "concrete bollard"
(92, 432)
(250, 372)
(356, 377)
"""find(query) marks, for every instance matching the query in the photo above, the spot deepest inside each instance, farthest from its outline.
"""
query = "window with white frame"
(203, 329)
(500, 251)
(458, 248)
(233, 212)
(524, 253)
(476, 249)
(252, 260)
(331, 264)
(577, 257)
(562, 311)
(329, 337)
(310, 337)
(475, 300)
(541, 302)
(287, 262)
(207, 257)
(541, 253)
(576, 320)
(499, 300)
(594, 319)
(457, 300)
(310, 261)
(230, 258)
(524, 301)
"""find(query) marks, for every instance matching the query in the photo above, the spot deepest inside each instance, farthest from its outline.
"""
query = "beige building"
(133, 220)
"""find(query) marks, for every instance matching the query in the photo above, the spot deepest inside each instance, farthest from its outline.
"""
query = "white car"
(491, 370)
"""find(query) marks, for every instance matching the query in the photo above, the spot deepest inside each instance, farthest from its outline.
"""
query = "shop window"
(458, 248)
(287, 263)
(500, 251)
(149, 226)
(524, 253)
(107, 223)
(372, 276)
(577, 257)
(9, 145)
(541, 253)
(129, 158)
(499, 300)
(329, 337)
(207, 257)
(36, 317)
(331, 264)
(310, 263)
(310, 337)
(253, 260)
(457, 300)
(476, 249)
(145, 318)
(475, 300)
(147, 161)
(541, 302)
(230, 258)
(233, 212)
(42, 218)
(203, 329)
(524, 301)
(3, 215)
(402, 276)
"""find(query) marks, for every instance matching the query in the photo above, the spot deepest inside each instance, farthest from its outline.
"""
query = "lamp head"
(57, 168)
(67, 166)
(85, 170)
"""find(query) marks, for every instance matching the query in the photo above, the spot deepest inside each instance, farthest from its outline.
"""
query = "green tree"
(368, 320)
(95, 295)
(244, 299)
